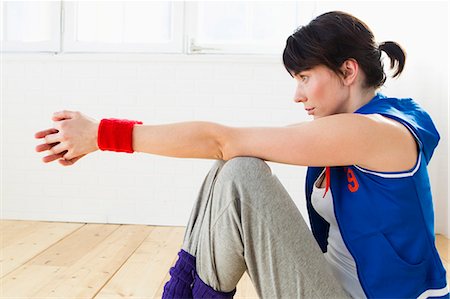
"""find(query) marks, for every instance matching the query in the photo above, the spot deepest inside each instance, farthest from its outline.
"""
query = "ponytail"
(335, 36)
(396, 55)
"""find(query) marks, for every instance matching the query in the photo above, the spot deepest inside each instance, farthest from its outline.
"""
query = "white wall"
(117, 187)
(147, 189)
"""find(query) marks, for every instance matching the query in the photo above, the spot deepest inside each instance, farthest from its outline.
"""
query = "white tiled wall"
(148, 189)
(123, 188)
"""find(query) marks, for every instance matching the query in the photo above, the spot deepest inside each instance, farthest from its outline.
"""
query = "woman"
(367, 187)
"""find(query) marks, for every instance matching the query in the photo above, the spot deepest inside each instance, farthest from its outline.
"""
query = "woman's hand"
(73, 136)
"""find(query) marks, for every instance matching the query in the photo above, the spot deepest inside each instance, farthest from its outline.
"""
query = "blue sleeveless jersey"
(386, 219)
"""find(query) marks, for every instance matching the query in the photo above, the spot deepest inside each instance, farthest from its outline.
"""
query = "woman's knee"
(243, 169)
(216, 168)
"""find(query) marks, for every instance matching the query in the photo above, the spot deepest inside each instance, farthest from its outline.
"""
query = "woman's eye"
(303, 78)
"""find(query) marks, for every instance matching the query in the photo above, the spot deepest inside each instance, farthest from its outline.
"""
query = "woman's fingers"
(53, 138)
(42, 134)
(65, 162)
(58, 148)
(51, 158)
(45, 147)
(61, 115)
(73, 136)
(70, 162)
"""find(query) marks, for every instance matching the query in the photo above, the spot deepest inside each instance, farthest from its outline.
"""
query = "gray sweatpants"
(244, 220)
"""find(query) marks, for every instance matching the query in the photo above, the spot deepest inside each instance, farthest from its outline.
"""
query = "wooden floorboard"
(101, 261)
(443, 247)
(77, 266)
(142, 274)
(23, 240)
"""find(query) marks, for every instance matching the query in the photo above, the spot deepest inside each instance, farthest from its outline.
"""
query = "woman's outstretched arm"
(74, 135)
(370, 141)
(195, 139)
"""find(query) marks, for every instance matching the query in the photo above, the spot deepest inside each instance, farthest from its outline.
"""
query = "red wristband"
(116, 135)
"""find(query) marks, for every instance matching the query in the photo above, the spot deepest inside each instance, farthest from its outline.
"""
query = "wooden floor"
(78, 260)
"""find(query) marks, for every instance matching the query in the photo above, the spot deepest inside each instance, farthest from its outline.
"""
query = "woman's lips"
(310, 110)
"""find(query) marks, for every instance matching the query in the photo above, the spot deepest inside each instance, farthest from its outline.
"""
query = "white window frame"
(184, 20)
(52, 46)
(304, 12)
(70, 45)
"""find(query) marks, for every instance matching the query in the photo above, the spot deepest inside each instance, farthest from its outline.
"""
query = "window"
(30, 26)
(241, 26)
(192, 27)
(123, 26)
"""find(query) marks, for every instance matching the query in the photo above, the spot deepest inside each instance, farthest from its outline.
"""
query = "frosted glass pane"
(2, 19)
(123, 22)
(28, 21)
(110, 22)
(99, 21)
(222, 21)
(269, 22)
(86, 21)
(147, 21)
(272, 21)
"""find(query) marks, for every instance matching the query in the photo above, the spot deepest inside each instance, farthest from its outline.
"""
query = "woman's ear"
(350, 70)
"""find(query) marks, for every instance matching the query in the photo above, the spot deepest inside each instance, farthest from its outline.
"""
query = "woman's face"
(321, 91)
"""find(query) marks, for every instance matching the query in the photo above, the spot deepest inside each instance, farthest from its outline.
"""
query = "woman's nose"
(299, 96)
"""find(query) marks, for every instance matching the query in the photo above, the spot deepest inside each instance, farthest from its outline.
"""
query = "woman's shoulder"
(399, 149)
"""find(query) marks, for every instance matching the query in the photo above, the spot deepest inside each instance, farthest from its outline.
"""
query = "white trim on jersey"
(393, 175)
(434, 293)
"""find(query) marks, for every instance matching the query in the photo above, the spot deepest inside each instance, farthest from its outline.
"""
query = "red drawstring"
(327, 177)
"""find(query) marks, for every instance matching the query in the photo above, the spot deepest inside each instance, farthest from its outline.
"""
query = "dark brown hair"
(332, 38)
